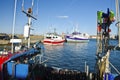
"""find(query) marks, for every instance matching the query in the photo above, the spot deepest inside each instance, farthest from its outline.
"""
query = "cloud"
(63, 17)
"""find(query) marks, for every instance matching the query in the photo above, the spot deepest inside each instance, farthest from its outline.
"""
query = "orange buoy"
(99, 28)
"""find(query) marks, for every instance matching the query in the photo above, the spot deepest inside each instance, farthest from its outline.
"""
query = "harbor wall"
(34, 38)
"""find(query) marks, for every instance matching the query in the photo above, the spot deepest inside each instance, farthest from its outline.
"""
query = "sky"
(63, 15)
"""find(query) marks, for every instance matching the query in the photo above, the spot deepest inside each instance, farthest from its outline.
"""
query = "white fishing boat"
(53, 39)
(77, 37)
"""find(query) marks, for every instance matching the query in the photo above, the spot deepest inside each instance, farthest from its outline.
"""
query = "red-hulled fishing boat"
(53, 39)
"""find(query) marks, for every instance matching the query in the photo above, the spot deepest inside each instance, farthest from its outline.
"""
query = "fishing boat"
(16, 49)
(77, 37)
(53, 39)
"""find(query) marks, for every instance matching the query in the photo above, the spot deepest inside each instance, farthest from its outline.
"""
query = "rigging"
(27, 28)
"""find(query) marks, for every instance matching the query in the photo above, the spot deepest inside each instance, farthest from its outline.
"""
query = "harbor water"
(74, 55)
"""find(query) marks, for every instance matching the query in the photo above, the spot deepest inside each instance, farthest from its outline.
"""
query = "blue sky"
(63, 15)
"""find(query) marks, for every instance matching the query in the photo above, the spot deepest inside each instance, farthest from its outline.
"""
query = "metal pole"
(22, 5)
(85, 66)
(29, 24)
(118, 34)
(87, 71)
(29, 15)
(117, 18)
(32, 3)
(12, 50)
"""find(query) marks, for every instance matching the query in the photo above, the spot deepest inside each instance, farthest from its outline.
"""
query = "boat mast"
(13, 30)
(118, 21)
(104, 20)
(28, 26)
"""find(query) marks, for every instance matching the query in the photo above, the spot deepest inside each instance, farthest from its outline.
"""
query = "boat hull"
(54, 42)
(77, 40)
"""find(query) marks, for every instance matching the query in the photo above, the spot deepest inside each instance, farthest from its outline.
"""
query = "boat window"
(84, 35)
(55, 37)
(48, 37)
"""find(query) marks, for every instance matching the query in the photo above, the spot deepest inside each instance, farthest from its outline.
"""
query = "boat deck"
(48, 73)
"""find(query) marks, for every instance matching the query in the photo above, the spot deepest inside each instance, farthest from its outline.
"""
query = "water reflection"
(54, 53)
(52, 47)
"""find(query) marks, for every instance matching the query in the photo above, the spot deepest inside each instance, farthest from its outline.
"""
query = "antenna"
(27, 27)
(29, 12)
(37, 8)
(32, 3)
(22, 5)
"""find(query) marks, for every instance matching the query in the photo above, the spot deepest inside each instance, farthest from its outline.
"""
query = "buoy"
(99, 28)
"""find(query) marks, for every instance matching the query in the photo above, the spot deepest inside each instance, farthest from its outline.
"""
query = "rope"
(44, 61)
(47, 58)
(115, 47)
(114, 68)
